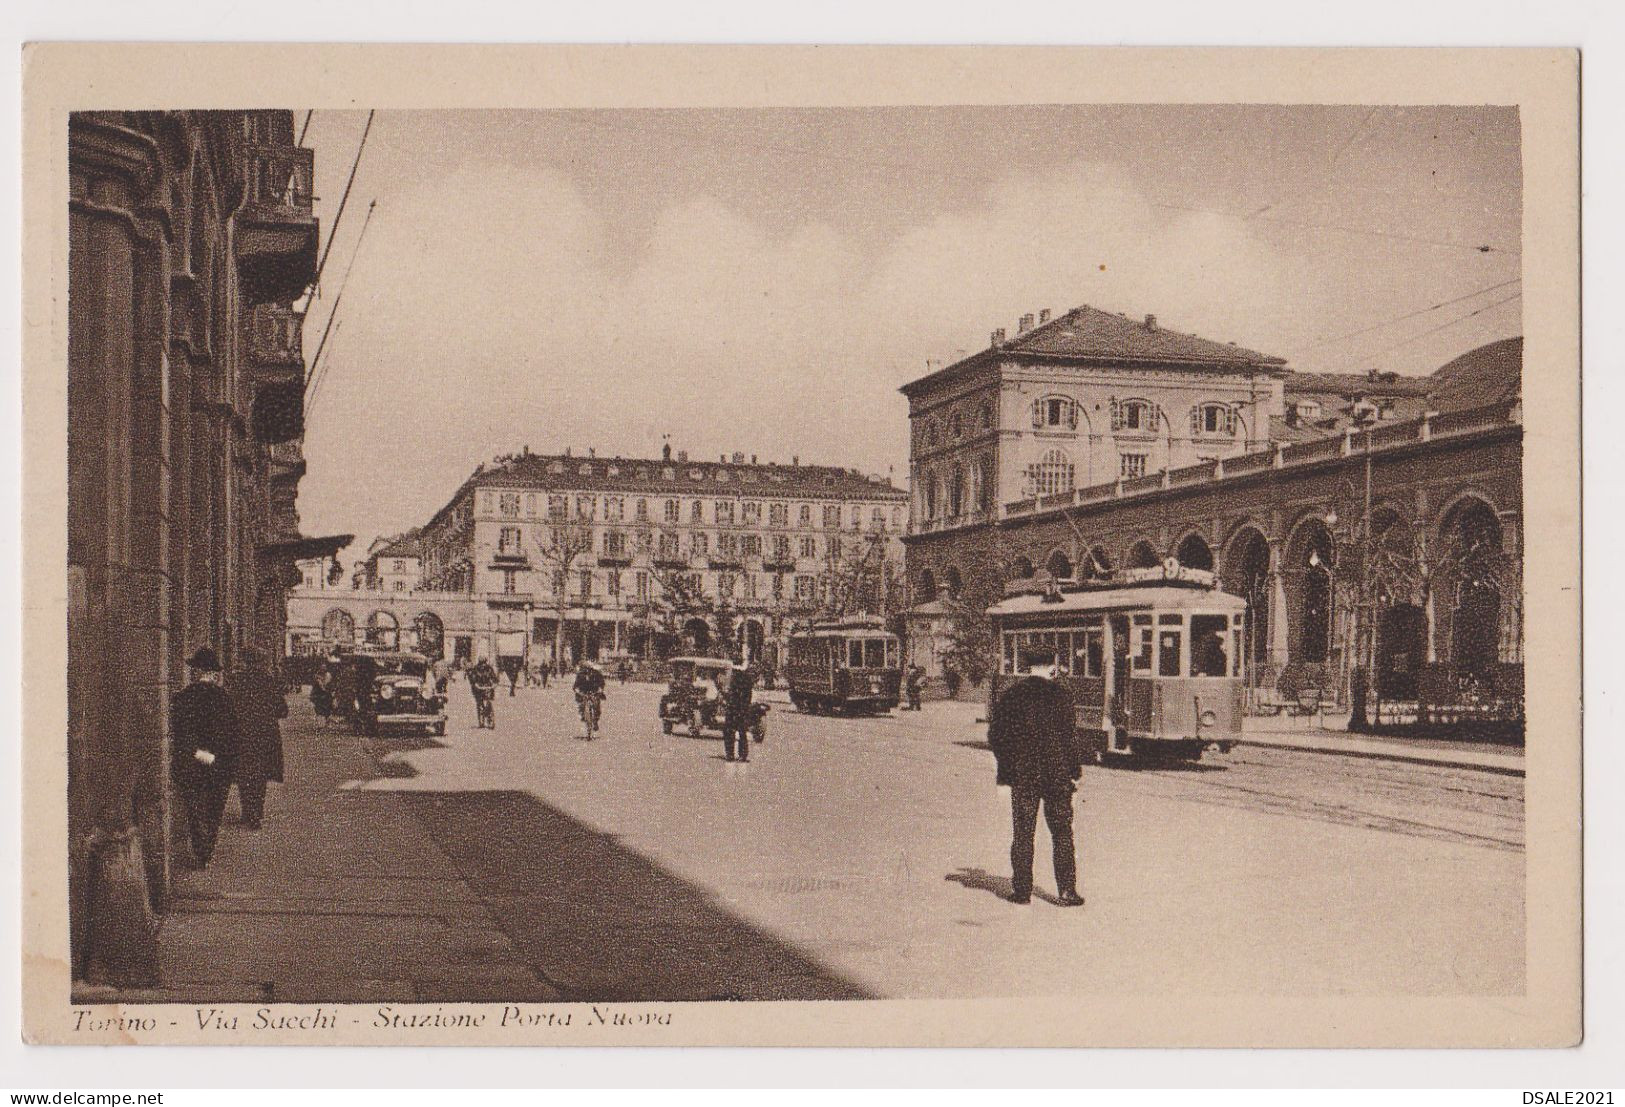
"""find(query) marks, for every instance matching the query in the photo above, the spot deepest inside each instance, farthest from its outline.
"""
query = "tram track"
(1467, 806)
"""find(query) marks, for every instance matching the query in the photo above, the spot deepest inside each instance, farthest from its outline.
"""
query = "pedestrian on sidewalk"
(1031, 731)
(736, 715)
(203, 751)
(260, 705)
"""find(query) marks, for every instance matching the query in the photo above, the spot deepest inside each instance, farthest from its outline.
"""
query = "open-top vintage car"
(396, 691)
(697, 697)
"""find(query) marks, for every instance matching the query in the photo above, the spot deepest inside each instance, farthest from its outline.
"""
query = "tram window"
(1210, 646)
(1088, 649)
(1142, 654)
(891, 654)
(1009, 654)
(874, 651)
(854, 653)
(1168, 643)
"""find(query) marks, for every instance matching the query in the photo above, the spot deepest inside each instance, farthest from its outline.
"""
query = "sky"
(763, 280)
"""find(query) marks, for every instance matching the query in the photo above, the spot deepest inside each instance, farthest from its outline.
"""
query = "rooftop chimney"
(1043, 315)
(795, 459)
(1150, 322)
(592, 451)
(739, 457)
(1026, 323)
(998, 337)
(753, 459)
(665, 452)
(682, 455)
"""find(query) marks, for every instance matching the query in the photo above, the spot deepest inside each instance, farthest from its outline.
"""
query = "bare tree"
(858, 578)
(567, 545)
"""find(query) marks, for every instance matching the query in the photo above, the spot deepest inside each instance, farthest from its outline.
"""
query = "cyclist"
(482, 681)
(589, 686)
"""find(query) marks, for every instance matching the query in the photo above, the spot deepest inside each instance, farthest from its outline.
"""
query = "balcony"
(279, 410)
(276, 236)
(275, 337)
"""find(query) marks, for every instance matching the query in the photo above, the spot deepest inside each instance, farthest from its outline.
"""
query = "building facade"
(1373, 523)
(563, 557)
(191, 237)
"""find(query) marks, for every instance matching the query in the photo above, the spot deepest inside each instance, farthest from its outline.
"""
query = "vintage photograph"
(527, 559)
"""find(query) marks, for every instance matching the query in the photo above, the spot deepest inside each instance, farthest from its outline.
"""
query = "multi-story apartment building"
(191, 236)
(637, 554)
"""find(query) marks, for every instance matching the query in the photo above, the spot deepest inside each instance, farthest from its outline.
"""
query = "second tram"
(845, 667)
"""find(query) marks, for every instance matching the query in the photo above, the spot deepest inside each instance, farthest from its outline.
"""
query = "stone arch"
(430, 633)
(383, 630)
(338, 627)
(1247, 574)
(1477, 585)
(952, 582)
(698, 632)
(1142, 555)
(1058, 565)
(1095, 563)
(1193, 551)
(1309, 567)
(1021, 568)
(752, 639)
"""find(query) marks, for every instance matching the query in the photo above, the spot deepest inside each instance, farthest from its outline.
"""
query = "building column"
(1278, 640)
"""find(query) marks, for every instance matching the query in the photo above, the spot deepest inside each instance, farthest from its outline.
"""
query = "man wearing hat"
(203, 751)
(260, 704)
(1031, 733)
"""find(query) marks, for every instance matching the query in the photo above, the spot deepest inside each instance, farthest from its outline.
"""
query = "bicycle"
(592, 706)
(485, 709)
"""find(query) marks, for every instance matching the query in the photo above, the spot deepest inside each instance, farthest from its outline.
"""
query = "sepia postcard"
(789, 546)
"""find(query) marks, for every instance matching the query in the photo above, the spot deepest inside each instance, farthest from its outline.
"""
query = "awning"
(302, 549)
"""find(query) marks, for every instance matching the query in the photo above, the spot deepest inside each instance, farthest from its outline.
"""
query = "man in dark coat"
(1031, 732)
(736, 715)
(260, 704)
(203, 751)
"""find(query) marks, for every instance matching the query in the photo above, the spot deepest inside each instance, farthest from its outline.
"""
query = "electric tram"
(845, 667)
(1151, 657)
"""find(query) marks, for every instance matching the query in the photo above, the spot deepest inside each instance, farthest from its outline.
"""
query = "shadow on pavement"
(601, 922)
(980, 880)
(974, 745)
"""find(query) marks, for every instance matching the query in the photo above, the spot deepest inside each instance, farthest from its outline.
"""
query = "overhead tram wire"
(1443, 326)
(313, 378)
(332, 234)
(316, 385)
(1410, 315)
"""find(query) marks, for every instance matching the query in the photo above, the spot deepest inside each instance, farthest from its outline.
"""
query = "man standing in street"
(1031, 733)
(736, 715)
(203, 751)
(260, 705)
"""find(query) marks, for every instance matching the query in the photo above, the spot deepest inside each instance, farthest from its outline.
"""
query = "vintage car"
(396, 691)
(697, 693)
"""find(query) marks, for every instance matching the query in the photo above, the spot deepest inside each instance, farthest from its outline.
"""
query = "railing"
(275, 334)
(281, 176)
(1388, 436)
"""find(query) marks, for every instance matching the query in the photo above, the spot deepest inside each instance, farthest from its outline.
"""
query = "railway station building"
(1371, 521)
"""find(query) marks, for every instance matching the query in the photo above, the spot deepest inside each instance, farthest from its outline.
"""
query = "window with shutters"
(1055, 413)
(781, 548)
(809, 547)
(1133, 416)
(1050, 474)
(1213, 421)
(673, 511)
(832, 515)
(752, 545)
(804, 516)
(778, 515)
(700, 543)
(669, 545)
(751, 512)
(725, 512)
(1131, 465)
(510, 505)
(614, 543)
(558, 507)
(696, 512)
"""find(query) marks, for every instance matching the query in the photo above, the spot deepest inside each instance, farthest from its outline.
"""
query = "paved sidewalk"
(1317, 734)
(343, 896)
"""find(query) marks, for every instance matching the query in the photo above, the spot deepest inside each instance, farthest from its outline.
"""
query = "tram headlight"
(1210, 717)
(387, 692)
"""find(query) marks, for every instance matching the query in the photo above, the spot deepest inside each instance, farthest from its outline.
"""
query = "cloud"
(496, 314)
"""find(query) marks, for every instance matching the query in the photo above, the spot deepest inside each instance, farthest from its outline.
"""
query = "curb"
(1375, 755)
